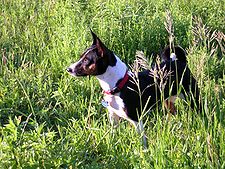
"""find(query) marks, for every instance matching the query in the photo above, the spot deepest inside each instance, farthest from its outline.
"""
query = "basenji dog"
(127, 95)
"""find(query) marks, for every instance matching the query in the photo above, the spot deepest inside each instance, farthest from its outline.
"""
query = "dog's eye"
(85, 60)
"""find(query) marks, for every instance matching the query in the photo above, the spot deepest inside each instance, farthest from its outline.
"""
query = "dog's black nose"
(70, 70)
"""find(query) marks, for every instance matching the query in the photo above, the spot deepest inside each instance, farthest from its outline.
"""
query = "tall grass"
(51, 120)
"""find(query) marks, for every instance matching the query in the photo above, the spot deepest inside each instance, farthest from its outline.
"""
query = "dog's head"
(94, 60)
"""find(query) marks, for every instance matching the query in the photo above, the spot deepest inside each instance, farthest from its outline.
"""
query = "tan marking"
(169, 104)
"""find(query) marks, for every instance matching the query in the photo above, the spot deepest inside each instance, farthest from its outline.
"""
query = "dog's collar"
(118, 87)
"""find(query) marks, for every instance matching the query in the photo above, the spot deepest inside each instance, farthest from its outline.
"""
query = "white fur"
(173, 56)
(72, 67)
(117, 110)
(116, 106)
(109, 79)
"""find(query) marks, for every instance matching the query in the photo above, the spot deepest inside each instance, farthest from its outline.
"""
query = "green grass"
(49, 119)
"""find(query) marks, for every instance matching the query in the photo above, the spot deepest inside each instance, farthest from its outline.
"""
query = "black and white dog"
(126, 99)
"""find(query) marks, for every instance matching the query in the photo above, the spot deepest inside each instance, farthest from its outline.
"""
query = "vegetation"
(49, 119)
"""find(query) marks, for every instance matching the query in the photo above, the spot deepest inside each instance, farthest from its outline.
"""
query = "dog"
(123, 96)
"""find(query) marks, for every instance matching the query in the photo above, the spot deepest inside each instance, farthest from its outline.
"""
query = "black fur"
(179, 51)
(96, 59)
(103, 51)
(151, 95)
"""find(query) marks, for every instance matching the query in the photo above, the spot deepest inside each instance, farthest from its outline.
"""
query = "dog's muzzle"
(71, 71)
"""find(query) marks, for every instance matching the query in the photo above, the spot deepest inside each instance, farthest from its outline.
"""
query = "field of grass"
(49, 119)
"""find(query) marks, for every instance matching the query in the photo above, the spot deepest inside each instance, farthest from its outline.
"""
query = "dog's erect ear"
(103, 51)
(94, 36)
(99, 45)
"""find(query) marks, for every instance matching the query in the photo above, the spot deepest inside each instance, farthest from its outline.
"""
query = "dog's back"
(171, 78)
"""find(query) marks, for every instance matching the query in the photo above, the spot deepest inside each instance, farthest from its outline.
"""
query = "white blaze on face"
(72, 67)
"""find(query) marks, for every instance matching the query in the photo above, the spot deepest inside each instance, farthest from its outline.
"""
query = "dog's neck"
(113, 74)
